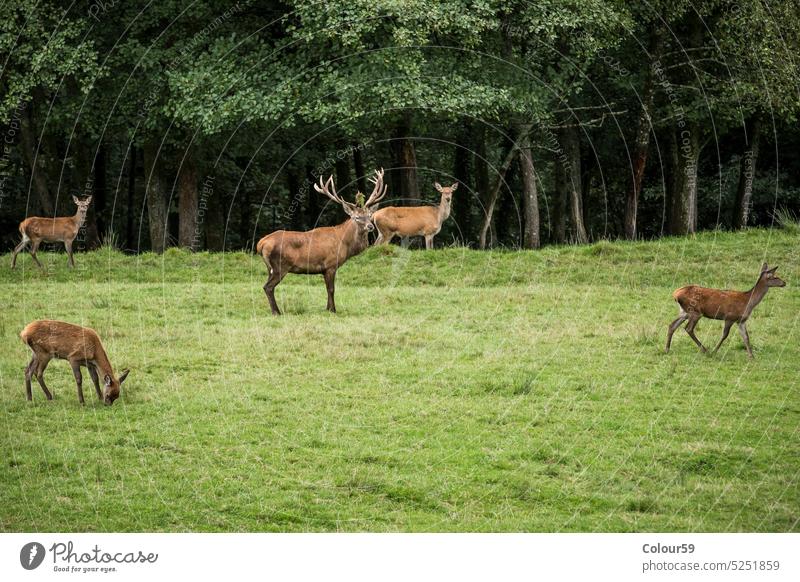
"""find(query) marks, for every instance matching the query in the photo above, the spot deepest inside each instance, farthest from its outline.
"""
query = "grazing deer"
(730, 306)
(80, 346)
(406, 221)
(36, 230)
(321, 250)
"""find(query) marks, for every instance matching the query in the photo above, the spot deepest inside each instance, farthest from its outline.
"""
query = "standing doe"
(80, 346)
(321, 250)
(36, 230)
(730, 306)
(406, 221)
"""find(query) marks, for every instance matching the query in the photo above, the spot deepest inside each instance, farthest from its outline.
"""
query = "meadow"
(455, 390)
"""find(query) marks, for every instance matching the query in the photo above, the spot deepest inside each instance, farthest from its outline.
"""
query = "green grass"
(454, 391)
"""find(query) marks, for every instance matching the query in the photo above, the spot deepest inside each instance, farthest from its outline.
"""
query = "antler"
(379, 191)
(329, 189)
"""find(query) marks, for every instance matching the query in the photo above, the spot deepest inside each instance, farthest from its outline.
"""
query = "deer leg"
(17, 249)
(673, 327)
(275, 277)
(95, 379)
(34, 248)
(76, 370)
(40, 368)
(28, 373)
(693, 319)
(404, 242)
(725, 331)
(70, 259)
(428, 241)
(746, 339)
(330, 284)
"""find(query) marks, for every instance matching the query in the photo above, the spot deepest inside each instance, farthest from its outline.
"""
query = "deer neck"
(353, 241)
(102, 363)
(756, 294)
(444, 210)
(80, 217)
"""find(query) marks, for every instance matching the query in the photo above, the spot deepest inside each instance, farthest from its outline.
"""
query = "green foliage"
(42, 49)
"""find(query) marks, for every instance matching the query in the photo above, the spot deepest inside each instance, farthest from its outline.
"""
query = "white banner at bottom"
(372, 557)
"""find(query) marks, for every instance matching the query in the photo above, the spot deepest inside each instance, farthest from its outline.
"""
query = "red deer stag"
(406, 221)
(36, 230)
(321, 250)
(729, 306)
(80, 346)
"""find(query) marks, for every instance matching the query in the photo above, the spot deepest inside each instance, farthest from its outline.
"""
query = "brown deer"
(36, 230)
(406, 221)
(321, 250)
(730, 306)
(80, 346)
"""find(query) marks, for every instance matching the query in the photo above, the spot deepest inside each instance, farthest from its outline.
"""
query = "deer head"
(769, 277)
(360, 214)
(83, 205)
(446, 191)
(112, 386)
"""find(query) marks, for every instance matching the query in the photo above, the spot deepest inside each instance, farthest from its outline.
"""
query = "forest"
(204, 124)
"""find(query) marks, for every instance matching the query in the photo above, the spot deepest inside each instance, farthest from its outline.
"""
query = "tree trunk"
(561, 195)
(129, 243)
(101, 194)
(155, 195)
(82, 180)
(571, 145)
(37, 162)
(188, 203)
(342, 170)
(684, 151)
(358, 165)
(294, 213)
(531, 238)
(245, 216)
(481, 165)
(747, 170)
(491, 200)
(214, 219)
(313, 204)
(641, 142)
(405, 162)
(461, 200)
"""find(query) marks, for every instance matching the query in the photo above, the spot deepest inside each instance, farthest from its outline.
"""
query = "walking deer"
(80, 346)
(321, 250)
(36, 230)
(406, 221)
(730, 306)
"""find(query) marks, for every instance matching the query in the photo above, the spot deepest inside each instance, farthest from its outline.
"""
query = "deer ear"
(75, 200)
(107, 380)
(123, 376)
(437, 186)
(453, 187)
(772, 270)
(349, 209)
(764, 268)
(88, 200)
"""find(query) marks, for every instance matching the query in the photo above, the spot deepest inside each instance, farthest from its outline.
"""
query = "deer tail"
(264, 245)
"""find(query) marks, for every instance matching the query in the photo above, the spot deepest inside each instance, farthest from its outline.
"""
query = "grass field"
(455, 390)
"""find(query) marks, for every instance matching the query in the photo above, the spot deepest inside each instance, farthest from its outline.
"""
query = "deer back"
(49, 229)
(64, 340)
(408, 220)
(313, 251)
